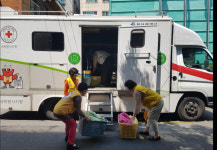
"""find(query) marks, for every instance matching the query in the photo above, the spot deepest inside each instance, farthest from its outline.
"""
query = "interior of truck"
(99, 39)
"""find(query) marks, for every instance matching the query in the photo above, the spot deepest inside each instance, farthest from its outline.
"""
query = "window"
(137, 38)
(197, 58)
(90, 12)
(105, 13)
(47, 41)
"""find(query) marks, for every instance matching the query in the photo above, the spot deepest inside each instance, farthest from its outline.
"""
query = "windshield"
(197, 58)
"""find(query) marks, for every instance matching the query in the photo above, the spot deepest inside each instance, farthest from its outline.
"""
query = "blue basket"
(92, 128)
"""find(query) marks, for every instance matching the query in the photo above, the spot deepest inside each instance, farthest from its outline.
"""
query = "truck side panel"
(34, 72)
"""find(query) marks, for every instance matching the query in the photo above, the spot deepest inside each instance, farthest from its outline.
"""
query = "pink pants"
(70, 130)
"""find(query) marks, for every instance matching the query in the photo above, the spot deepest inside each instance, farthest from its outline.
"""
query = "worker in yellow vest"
(68, 110)
(149, 99)
(71, 83)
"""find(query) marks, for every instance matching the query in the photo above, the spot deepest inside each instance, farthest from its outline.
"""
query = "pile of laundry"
(125, 118)
(94, 116)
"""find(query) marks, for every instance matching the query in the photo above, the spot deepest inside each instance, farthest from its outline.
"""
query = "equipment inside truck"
(98, 39)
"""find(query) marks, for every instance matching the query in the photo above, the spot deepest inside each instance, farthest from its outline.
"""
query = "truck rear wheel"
(46, 108)
(48, 111)
(191, 108)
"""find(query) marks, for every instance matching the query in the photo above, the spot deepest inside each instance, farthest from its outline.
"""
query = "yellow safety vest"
(66, 104)
(72, 86)
(151, 97)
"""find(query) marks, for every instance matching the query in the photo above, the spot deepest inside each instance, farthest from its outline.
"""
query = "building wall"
(18, 5)
(99, 6)
(128, 7)
(196, 13)
(28, 5)
(72, 6)
(196, 17)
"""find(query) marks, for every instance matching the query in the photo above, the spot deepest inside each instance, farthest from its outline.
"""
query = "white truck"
(37, 52)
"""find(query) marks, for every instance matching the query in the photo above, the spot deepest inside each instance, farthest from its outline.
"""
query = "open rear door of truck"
(137, 55)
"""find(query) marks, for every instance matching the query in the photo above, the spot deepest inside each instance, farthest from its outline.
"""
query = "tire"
(191, 108)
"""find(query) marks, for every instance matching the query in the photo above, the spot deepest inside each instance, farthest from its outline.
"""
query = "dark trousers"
(106, 71)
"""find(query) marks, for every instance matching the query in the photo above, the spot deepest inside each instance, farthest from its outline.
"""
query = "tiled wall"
(196, 13)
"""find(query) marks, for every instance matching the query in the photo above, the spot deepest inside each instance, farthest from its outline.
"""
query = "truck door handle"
(154, 69)
(148, 61)
(181, 74)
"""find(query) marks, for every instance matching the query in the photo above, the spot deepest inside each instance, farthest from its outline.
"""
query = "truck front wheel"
(191, 108)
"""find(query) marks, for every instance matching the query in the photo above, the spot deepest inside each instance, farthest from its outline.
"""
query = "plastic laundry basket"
(128, 131)
(92, 128)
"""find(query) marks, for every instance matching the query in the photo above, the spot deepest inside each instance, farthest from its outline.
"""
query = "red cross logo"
(8, 34)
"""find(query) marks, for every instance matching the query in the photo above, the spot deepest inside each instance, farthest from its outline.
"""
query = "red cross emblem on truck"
(8, 34)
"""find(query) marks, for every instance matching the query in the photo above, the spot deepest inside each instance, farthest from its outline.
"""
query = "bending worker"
(149, 99)
(68, 110)
(71, 83)
(105, 60)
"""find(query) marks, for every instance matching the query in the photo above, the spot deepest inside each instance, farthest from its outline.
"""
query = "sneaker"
(70, 147)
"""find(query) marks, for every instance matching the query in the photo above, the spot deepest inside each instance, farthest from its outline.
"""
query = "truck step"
(97, 100)
(99, 103)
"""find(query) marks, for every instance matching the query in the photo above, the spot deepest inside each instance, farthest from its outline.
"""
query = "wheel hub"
(191, 108)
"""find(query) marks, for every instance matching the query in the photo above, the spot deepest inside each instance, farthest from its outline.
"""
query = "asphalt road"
(28, 131)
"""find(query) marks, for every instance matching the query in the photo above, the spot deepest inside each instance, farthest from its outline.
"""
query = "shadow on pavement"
(22, 115)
